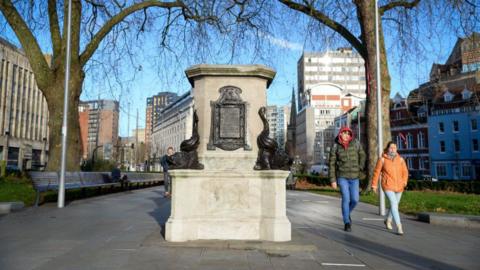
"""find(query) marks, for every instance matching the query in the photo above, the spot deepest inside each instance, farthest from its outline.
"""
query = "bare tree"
(354, 21)
(101, 27)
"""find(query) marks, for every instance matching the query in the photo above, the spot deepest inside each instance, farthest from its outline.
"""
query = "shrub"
(452, 186)
(314, 179)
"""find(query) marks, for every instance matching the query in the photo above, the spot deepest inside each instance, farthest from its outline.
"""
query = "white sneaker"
(399, 229)
(388, 224)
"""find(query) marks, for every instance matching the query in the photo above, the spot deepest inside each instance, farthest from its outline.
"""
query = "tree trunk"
(366, 14)
(55, 100)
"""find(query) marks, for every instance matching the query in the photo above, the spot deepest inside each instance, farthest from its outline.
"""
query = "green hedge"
(314, 179)
(451, 186)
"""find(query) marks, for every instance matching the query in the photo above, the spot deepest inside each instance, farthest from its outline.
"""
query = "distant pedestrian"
(116, 173)
(165, 162)
(346, 164)
(393, 169)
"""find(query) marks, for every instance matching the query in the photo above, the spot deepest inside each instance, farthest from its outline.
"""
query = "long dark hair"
(388, 146)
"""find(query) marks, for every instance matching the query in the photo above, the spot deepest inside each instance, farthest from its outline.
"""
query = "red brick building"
(99, 128)
(410, 132)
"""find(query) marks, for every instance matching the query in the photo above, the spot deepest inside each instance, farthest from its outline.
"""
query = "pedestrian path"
(125, 231)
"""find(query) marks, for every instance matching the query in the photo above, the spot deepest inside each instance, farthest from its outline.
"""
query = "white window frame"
(421, 140)
(441, 124)
(421, 164)
(471, 124)
(444, 146)
(399, 143)
(437, 168)
(469, 168)
(455, 147)
(478, 146)
(409, 163)
(409, 141)
(453, 126)
(447, 97)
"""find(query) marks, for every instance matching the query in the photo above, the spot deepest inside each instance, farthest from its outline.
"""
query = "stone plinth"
(207, 82)
(236, 205)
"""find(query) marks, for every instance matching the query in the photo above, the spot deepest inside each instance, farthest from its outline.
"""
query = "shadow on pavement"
(162, 212)
(390, 253)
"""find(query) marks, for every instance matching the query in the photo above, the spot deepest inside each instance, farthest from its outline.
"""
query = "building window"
(442, 146)
(456, 145)
(466, 170)
(421, 140)
(441, 170)
(409, 163)
(473, 124)
(466, 94)
(421, 164)
(447, 97)
(409, 141)
(475, 145)
(441, 127)
(455, 126)
(399, 142)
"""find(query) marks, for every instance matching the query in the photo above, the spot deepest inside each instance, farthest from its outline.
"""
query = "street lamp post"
(61, 187)
(379, 105)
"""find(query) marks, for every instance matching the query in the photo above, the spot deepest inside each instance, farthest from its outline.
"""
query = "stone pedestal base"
(228, 205)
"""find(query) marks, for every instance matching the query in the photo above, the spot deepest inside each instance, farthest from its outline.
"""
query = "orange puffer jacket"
(394, 173)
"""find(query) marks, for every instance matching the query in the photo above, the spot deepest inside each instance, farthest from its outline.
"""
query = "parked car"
(427, 177)
(319, 169)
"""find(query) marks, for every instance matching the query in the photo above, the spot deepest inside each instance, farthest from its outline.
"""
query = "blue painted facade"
(455, 152)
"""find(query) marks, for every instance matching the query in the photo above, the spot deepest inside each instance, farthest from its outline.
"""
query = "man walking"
(346, 163)
(166, 160)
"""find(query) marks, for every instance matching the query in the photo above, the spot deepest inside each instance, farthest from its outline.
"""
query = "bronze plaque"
(228, 125)
(229, 122)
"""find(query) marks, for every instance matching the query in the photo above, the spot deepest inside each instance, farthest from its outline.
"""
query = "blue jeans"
(350, 196)
(394, 198)
(167, 181)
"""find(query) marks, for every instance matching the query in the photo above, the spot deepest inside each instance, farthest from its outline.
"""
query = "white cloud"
(283, 43)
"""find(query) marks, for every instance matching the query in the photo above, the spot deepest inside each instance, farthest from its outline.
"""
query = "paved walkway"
(123, 231)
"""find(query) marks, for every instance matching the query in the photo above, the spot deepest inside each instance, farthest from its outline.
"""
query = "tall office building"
(173, 127)
(23, 112)
(155, 104)
(342, 67)
(329, 84)
(99, 128)
(277, 121)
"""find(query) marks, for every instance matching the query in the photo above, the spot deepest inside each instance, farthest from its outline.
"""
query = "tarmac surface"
(125, 231)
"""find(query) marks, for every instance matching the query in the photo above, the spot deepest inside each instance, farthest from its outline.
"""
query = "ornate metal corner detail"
(187, 158)
(269, 156)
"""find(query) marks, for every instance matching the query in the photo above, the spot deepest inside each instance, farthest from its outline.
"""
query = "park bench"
(136, 179)
(45, 181)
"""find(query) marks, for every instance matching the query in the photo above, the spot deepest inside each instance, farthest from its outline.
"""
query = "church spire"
(290, 144)
(293, 110)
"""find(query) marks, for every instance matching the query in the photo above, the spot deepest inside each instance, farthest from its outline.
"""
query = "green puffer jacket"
(346, 163)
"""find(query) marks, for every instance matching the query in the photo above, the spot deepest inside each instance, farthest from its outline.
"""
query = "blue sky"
(283, 52)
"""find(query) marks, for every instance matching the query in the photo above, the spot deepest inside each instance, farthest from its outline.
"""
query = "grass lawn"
(414, 202)
(16, 189)
(20, 189)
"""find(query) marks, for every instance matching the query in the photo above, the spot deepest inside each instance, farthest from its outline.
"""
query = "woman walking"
(394, 174)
